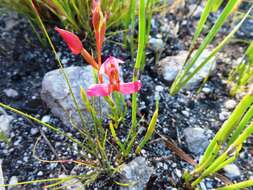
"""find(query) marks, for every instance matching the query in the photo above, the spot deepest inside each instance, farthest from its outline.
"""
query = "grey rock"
(11, 93)
(170, 66)
(5, 121)
(197, 139)
(232, 171)
(136, 173)
(56, 94)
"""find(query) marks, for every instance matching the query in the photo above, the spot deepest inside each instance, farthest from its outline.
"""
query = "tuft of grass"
(187, 72)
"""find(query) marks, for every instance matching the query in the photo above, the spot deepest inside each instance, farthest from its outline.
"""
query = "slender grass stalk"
(141, 43)
(150, 130)
(60, 66)
(243, 123)
(56, 130)
(242, 74)
(177, 84)
(236, 186)
(115, 138)
(221, 136)
(215, 50)
(132, 18)
(234, 148)
(202, 21)
(39, 181)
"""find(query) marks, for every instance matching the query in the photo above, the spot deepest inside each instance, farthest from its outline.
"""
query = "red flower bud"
(73, 42)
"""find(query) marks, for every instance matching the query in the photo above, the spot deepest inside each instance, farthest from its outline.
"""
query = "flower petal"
(105, 67)
(130, 87)
(73, 42)
(98, 90)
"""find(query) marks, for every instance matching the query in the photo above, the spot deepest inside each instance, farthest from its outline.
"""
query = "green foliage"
(224, 147)
(188, 71)
(3, 137)
(95, 139)
(242, 75)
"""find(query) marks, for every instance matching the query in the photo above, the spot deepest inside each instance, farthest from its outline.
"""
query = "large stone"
(197, 139)
(56, 94)
(170, 66)
(136, 173)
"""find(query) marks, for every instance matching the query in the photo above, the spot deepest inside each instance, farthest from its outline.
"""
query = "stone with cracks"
(136, 173)
(56, 94)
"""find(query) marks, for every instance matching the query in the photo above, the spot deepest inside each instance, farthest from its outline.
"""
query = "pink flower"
(107, 65)
(111, 69)
(107, 89)
(73, 42)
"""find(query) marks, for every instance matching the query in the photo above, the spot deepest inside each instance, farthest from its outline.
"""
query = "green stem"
(241, 185)
(214, 147)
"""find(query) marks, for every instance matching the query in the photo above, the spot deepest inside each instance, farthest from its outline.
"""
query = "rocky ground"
(189, 119)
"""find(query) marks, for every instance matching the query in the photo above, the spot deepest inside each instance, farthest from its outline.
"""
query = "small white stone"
(223, 115)
(206, 90)
(159, 88)
(46, 118)
(11, 93)
(178, 173)
(34, 131)
(40, 173)
(186, 113)
(156, 43)
(230, 104)
(232, 171)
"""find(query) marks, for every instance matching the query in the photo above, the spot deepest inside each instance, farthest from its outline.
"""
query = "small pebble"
(11, 93)
(40, 173)
(46, 118)
(232, 171)
(230, 104)
(34, 131)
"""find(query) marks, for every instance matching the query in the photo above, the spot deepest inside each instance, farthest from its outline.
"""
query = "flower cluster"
(110, 68)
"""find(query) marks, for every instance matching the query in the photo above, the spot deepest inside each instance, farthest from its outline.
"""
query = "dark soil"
(23, 63)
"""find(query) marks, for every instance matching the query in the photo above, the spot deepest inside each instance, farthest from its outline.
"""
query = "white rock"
(46, 118)
(34, 131)
(224, 115)
(40, 173)
(11, 93)
(170, 66)
(136, 172)
(230, 104)
(5, 121)
(156, 43)
(159, 88)
(232, 171)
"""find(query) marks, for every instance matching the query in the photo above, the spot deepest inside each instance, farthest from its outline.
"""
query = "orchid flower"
(111, 69)
(99, 25)
(76, 46)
